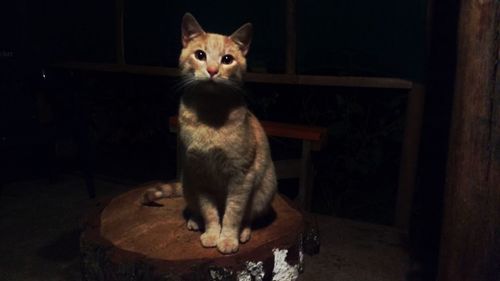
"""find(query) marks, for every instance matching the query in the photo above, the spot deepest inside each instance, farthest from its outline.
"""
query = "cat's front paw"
(209, 239)
(228, 245)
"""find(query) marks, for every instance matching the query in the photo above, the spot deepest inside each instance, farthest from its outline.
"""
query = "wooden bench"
(313, 139)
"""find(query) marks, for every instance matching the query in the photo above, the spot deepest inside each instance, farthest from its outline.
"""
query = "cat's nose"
(212, 71)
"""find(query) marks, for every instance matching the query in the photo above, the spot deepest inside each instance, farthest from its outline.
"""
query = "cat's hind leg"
(260, 203)
(245, 233)
(192, 224)
(263, 195)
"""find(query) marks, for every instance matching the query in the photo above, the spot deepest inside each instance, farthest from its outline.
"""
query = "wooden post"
(306, 182)
(409, 156)
(470, 238)
(291, 37)
(120, 49)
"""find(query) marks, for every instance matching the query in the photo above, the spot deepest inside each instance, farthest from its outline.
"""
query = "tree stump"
(125, 240)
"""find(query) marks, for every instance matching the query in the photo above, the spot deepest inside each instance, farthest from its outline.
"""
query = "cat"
(228, 178)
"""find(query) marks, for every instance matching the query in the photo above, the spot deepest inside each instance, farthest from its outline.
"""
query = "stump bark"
(123, 239)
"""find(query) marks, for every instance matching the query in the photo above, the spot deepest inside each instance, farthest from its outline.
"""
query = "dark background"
(351, 37)
(126, 115)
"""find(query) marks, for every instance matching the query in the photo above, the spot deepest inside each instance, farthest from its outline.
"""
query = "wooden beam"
(119, 33)
(409, 156)
(265, 78)
(325, 80)
(316, 135)
(291, 37)
(470, 239)
(306, 179)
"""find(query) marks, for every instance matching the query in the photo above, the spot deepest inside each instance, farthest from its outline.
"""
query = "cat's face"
(209, 56)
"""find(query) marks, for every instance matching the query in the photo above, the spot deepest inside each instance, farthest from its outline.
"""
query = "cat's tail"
(162, 190)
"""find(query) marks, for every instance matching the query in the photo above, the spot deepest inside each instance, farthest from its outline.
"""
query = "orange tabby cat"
(228, 177)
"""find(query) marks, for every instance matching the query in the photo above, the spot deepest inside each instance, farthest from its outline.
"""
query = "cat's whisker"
(185, 82)
(231, 83)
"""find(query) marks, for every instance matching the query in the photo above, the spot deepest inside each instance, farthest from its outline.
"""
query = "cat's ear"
(243, 37)
(190, 29)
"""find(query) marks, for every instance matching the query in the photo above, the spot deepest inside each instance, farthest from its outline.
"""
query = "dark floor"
(39, 229)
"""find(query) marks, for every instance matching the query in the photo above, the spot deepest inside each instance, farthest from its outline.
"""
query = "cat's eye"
(227, 59)
(200, 55)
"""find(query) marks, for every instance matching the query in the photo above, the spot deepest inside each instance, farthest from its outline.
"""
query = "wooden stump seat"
(123, 239)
